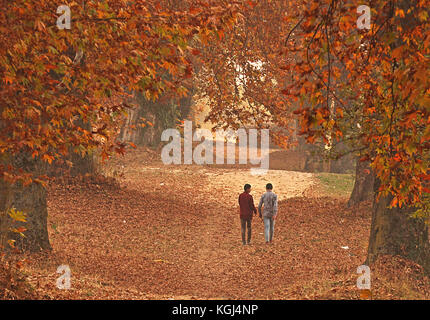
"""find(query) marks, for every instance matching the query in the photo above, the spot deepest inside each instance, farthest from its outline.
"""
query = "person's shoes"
(244, 243)
(249, 243)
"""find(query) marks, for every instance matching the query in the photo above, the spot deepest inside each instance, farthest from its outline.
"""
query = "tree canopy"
(54, 79)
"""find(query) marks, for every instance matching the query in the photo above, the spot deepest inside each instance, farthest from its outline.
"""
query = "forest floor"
(173, 232)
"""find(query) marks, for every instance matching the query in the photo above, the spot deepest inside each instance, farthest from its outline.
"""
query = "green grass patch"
(338, 184)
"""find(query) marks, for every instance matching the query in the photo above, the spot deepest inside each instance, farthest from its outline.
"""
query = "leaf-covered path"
(173, 232)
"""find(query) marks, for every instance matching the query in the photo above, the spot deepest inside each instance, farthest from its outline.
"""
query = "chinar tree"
(46, 96)
(387, 63)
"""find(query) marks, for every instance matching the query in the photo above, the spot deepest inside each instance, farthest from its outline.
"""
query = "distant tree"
(238, 72)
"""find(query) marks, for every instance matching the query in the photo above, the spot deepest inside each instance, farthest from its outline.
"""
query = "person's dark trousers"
(246, 224)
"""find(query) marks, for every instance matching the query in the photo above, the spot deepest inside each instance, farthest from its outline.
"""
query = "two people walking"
(267, 210)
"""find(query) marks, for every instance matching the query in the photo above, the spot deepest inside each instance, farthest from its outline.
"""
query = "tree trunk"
(394, 232)
(363, 185)
(32, 201)
(81, 165)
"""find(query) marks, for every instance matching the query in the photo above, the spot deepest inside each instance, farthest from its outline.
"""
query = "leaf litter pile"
(173, 232)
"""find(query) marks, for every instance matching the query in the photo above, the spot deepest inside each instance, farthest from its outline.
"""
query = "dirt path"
(173, 232)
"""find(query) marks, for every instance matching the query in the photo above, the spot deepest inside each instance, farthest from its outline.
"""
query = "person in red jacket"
(247, 208)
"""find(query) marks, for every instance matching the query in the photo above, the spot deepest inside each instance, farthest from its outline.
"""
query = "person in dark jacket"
(247, 208)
